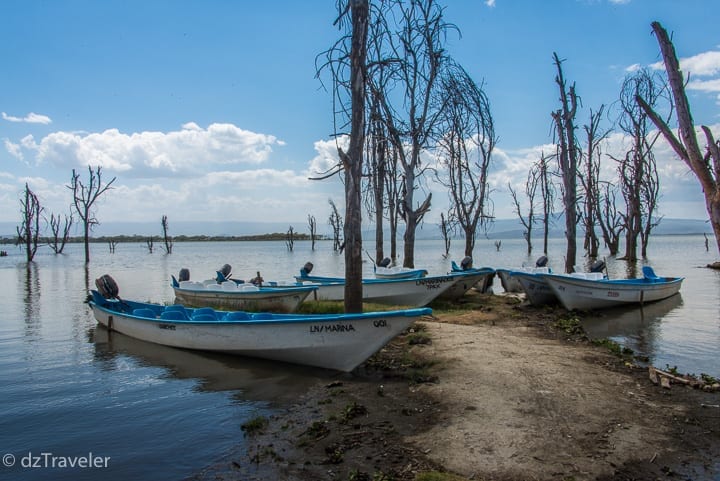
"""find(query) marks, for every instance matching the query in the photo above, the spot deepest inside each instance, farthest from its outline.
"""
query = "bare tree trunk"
(568, 160)
(29, 231)
(84, 197)
(352, 161)
(687, 147)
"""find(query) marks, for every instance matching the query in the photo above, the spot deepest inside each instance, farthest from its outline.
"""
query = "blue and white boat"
(333, 341)
(581, 293)
(240, 296)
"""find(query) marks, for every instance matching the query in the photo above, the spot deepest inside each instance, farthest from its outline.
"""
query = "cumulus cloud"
(151, 154)
(31, 118)
(327, 155)
(490, 3)
(706, 64)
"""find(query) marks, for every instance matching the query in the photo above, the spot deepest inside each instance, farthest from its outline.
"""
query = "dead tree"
(547, 195)
(336, 222)
(150, 242)
(413, 51)
(58, 239)
(446, 230)
(568, 154)
(637, 171)
(531, 186)
(167, 239)
(609, 219)
(377, 153)
(312, 224)
(705, 167)
(465, 143)
(28, 233)
(589, 175)
(112, 244)
(84, 198)
(290, 239)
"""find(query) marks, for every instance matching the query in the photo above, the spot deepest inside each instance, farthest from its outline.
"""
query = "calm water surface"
(68, 388)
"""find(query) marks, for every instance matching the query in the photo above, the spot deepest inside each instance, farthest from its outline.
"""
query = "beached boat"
(511, 283)
(537, 292)
(468, 277)
(580, 293)
(332, 341)
(394, 292)
(243, 296)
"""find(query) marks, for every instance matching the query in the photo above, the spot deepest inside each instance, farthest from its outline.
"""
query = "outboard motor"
(226, 271)
(385, 262)
(307, 268)
(107, 287)
(541, 262)
(466, 263)
(597, 266)
(184, 274)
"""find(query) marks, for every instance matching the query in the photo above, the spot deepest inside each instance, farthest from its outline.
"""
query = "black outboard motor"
(597, 266)
(184, 274)
(541, 262)
(466, 263)
(226, 271)
(307, 268)
(107, 287)
(385, 262)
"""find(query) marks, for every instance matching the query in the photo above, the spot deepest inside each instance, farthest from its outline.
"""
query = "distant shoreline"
(180, 238)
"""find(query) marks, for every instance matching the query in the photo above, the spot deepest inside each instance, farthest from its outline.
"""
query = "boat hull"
(584, 294)
(537, 292)
(262, 300)
(466, 280)
(508, 281)
(340, 342)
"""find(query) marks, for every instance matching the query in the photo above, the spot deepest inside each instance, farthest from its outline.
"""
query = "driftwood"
(665, 379)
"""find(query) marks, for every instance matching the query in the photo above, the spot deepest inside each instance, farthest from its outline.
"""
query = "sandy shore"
(501, 392)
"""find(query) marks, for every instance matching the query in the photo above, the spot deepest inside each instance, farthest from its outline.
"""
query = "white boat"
(579, 293)
(511, 283)
(398, 272)
(537, 292)
(247, 296)
(332, 341)
(394, 292)
(479, 278)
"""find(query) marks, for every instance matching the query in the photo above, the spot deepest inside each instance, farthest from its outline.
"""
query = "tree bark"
(687, 147)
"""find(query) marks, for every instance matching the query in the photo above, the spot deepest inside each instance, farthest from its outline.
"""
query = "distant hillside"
(500, 229)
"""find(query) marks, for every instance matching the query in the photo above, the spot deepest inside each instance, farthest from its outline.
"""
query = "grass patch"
(614, 347)
(570, 325)
(254, 425)
(415, 338)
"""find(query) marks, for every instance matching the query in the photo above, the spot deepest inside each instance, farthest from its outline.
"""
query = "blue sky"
(210, 110)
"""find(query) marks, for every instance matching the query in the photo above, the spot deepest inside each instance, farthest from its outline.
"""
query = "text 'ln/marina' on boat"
(334, 341)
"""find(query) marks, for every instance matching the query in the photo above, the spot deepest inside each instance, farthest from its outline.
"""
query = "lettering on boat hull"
(318, 328)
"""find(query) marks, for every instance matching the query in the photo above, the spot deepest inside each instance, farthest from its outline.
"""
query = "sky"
(211, 110)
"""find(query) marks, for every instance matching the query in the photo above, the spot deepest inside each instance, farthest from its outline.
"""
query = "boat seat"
(173, 315)
(207, 311)
(649, 273)
(203, 318)
(229, 286)
(144, 312)
(237, 316)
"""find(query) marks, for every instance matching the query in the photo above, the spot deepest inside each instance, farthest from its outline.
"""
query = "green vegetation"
(614, 347)
(570, 325)
(254, 425)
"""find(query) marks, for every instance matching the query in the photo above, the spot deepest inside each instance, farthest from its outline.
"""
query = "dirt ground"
(494, 390)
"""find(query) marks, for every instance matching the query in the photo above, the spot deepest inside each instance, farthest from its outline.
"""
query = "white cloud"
(31, 118)
(188, 151)
(327, 155)
(704, 64)
(490, 3)
(13, 149)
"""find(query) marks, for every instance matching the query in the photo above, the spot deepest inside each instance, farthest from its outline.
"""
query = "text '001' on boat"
(587, 294)
(332, 341)
(243, 296)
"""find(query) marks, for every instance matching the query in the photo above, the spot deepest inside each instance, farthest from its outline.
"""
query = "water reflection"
(31, 299)
(255, 379)
(637, 326)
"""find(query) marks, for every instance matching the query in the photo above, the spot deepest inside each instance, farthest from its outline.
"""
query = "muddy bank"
(492, 390)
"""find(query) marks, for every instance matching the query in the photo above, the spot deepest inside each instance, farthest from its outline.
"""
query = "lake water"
(70, 389)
